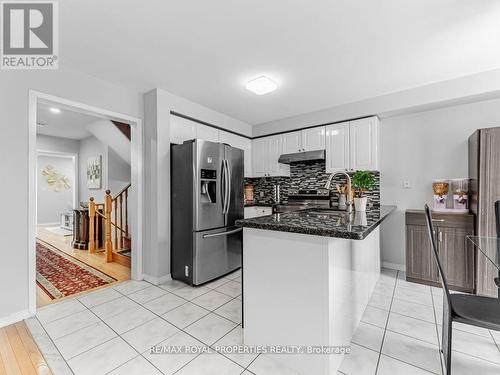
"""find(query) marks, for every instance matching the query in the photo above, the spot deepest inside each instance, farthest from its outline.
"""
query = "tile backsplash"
(305, 175)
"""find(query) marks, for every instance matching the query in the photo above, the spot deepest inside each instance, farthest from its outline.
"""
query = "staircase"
(114, 223)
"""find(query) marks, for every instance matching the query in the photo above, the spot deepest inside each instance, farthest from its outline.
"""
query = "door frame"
(136, 197)
(67, 155)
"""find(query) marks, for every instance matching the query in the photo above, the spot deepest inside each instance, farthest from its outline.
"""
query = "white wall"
(157, 107)
(118, 172)
(57, 144)
(51, 203)
(14, 99)
(106, 132)
(421, 147)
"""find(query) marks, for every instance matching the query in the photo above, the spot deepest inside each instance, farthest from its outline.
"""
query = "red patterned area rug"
(61, 275)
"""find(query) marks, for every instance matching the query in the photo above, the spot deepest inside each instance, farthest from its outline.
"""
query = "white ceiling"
(67, 124)
(322, 53)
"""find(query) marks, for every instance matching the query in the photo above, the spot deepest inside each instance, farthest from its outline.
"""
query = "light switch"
(406, 184)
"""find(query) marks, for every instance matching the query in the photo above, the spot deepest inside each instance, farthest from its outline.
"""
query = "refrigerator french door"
(206, 200)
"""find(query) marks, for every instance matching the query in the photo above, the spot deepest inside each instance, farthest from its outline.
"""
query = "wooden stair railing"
(117, 207)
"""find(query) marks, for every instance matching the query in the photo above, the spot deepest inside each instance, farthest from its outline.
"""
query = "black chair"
(497, 216)
(464, 308)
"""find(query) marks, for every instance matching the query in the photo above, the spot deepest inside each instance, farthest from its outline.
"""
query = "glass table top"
(488, 247)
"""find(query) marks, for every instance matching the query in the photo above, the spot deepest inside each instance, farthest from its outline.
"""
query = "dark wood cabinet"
(456, 252)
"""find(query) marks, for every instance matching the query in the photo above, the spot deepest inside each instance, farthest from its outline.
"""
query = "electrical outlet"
(406, 184)
(261, 194)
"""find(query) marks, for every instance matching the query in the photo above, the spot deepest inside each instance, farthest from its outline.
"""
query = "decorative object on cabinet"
(440, 188)
(249, 193)
(457, 253)
(94, 172)
(460, 189)
(362, 181)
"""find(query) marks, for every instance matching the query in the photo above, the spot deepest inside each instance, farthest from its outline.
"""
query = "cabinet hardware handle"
(440, 236)
(438, 220)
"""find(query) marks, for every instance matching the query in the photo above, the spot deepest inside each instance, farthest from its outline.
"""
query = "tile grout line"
(53, 343)
(437, 333)
(182, 329)
(386, 323)
(110, 287)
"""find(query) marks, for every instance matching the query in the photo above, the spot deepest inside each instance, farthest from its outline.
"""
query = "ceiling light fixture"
(55, 110)
(261, 85)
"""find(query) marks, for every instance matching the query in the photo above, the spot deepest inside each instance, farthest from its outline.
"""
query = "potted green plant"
(362, 181)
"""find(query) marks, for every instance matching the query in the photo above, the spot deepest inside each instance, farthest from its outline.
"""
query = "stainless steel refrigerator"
(206, 200)
(484, 174)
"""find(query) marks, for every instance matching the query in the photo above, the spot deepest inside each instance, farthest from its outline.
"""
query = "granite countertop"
(328, 224)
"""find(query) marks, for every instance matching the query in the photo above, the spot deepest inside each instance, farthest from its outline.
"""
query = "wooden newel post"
(108, 208)
(92, 248)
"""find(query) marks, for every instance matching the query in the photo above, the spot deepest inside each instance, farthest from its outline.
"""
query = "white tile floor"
(110, 332)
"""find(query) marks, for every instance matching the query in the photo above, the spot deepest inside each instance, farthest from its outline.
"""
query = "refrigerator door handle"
(228, 186)
(227, 233)
(223, 186)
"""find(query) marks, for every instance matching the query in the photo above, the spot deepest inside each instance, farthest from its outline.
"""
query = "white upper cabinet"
(239, 142)
(313, 139)
(292, 142)
(266, 152)
(207, 133)
(275, 151)
(304, 140)
(337, 147)
(259, 157)
(352, 145)
(181, 129)
(363, 144)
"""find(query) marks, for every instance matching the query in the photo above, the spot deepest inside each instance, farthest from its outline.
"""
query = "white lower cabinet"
(256, 211)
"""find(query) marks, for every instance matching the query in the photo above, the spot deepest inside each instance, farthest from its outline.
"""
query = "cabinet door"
(260, 157)
(292, 142)
(313, 139)
(363, 144)
(242, 143)
(457, 257)
(181, 129)
(420, 262)
(207, 133)
(337, 147)
(275, 144)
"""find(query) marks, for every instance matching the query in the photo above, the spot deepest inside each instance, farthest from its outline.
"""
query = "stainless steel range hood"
(302, 156)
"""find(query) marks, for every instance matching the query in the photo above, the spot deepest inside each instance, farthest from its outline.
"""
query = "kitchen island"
(307, 279)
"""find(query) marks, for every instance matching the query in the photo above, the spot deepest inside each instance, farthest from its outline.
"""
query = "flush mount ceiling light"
(55, 110)
(261, 85)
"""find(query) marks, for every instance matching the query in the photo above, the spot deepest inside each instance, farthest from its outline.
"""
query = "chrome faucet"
(349, 188)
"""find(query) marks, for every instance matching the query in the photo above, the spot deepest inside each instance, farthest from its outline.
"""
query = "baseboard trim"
(14, 318)
(394, 266)
(157, 280)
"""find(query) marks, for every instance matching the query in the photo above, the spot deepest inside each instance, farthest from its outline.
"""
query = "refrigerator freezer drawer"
(216, 252)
